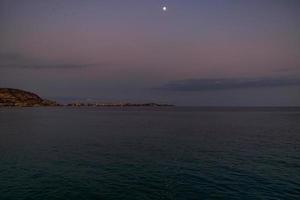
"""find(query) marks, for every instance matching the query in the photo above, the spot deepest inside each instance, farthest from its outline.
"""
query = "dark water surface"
(149, 153)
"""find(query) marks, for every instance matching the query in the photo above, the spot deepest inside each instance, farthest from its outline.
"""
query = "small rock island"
(19, 98)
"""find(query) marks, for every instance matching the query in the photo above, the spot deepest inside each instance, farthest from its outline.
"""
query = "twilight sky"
(198, 52)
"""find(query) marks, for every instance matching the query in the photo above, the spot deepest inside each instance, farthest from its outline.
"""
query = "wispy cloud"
(15, 60)
(47, 66)
(289, 69)
(10, 57)
(223, 84)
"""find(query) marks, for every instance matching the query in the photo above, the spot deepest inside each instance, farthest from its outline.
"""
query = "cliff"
(20, 98)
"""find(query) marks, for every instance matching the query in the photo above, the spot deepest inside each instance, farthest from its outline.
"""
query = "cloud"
(223, 84)
(9, 57)
(15, 60)
(290, 69)
(47, 66)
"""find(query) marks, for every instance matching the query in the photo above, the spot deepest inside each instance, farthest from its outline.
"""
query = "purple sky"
(116, 50)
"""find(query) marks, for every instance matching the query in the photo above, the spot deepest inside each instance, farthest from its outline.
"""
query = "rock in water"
(20, 98)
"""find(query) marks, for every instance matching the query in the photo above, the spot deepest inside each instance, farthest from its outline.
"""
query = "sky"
(196, 53)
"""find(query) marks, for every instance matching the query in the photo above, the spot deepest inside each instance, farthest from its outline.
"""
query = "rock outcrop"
(20, 98)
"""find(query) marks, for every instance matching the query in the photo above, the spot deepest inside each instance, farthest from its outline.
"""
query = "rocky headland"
(19, 98)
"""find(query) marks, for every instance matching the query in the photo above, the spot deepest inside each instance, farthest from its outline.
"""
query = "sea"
(178, 153)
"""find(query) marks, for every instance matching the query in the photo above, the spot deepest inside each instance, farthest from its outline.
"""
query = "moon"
(164, 8)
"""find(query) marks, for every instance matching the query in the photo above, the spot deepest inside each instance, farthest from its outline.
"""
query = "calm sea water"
(149, 153)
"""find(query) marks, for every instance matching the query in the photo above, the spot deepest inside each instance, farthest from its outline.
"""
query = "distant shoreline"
(10, 97)
(117, 105)
(19, 98)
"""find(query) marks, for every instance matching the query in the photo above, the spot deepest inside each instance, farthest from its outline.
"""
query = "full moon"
(164, 8)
